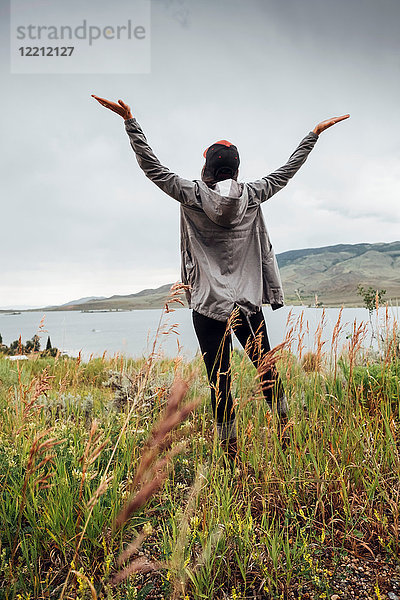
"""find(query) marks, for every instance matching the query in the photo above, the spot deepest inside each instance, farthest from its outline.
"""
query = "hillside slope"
(331, 272)
(334, 272)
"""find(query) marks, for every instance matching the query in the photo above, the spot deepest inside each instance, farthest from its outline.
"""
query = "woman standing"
(226, 258)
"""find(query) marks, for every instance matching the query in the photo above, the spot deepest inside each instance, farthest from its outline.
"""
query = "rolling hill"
(332, 273)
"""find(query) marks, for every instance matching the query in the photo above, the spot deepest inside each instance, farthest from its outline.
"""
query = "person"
(227, 260)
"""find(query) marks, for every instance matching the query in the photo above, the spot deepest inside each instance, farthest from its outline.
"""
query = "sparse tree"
(372, 298)
(36, 343)
(16, 347)
(29, 346)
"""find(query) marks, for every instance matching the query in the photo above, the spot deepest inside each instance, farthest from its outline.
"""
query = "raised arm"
(178, 188)
(271, 184)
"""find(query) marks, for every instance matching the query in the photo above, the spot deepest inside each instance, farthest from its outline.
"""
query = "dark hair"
(223, 173)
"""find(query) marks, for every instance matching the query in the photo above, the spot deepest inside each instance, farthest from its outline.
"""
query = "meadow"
(113, 483)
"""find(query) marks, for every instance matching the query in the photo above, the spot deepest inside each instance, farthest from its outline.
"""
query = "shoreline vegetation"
(114, 485)
(30, 349)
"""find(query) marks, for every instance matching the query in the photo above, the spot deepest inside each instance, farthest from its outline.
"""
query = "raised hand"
(328, 123)
(121, 108)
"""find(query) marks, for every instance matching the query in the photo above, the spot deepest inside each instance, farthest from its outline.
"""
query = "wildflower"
(77, 474)
(377, 592)
(194, 522)
(81, 586)
(308, 559)
(147, 528)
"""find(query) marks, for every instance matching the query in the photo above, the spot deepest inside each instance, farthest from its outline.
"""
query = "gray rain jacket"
(226, 255)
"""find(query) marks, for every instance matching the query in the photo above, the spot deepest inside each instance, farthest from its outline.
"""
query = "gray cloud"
(78, 216)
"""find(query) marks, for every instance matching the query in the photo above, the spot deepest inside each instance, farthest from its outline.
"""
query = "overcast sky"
(79, 218)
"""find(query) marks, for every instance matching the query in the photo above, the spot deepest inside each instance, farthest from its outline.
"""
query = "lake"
(132, 332)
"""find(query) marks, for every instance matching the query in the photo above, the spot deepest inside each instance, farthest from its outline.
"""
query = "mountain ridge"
(328, 275)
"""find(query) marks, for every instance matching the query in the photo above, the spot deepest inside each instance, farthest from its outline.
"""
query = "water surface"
(132, 332)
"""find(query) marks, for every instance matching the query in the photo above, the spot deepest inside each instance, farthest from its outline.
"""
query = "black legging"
(215, 344)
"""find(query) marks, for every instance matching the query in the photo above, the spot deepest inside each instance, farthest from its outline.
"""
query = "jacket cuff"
(314, 135)
(131, 121)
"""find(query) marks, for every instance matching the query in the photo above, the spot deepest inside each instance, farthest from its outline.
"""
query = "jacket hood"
(225, 203)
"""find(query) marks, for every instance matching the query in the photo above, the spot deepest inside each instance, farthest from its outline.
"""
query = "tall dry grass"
(102, 498)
